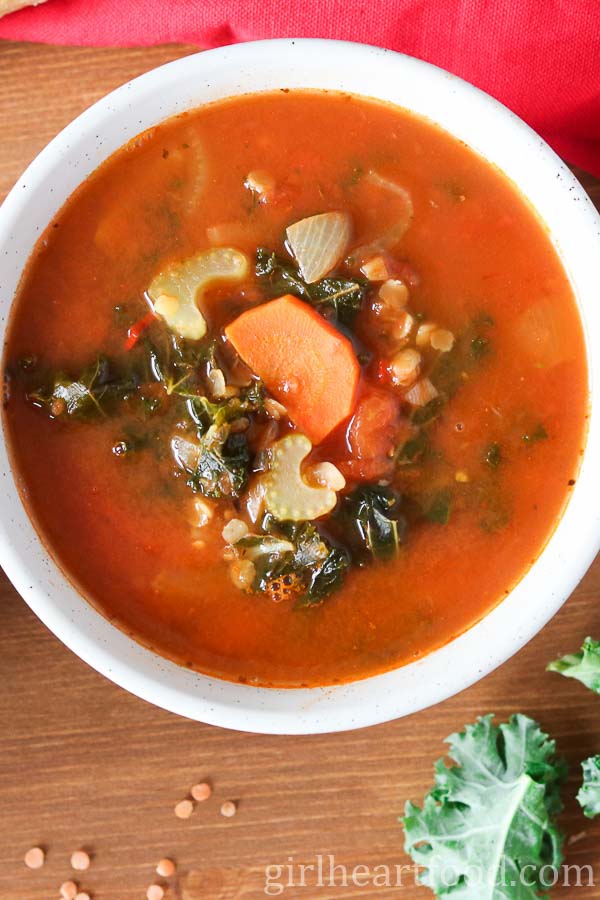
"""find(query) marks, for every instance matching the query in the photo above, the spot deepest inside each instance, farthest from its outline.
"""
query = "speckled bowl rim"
(574, 225)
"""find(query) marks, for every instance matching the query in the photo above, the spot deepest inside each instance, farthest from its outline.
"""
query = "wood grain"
(83, 764)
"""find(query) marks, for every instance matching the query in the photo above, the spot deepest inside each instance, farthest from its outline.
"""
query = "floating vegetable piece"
(396, 232)
(421, 393)
(98, 390)
(217, 464)
(539, 331)
(318, 243)
(131, 221)
(176, 292)
(294, 562)
(376, 268)
(287, 495)
(335, 298)
(375, 430)
(370, 523)
(303, 361)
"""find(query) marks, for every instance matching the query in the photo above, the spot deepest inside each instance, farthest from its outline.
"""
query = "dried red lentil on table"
(420, 394)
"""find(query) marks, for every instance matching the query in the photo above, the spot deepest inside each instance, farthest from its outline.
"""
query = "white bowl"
(495, 133)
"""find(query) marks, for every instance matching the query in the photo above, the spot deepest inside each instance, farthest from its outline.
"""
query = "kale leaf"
(326, 577)
(298, 551)
(489, 823)
(369, 523)
(221, 469)
(335, 296)
(588, 795)
(438, 509)
(179, 364)
(414, 449)
(98, 390)
(205, 412)
(424, 414)
(341, 295)
(183, 368)
(584, 666)
(281, 275)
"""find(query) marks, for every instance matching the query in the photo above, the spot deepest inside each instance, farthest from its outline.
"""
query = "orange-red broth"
(120, 528)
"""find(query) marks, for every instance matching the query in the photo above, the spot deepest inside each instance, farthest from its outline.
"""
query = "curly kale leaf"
(299, 550)
(205, 413)
(280, 274)
(96, 391)
(221, 468)
(588, 795)
(487, 828)
(326, 577)
(369, 522)
(340, 298)
(584, 666)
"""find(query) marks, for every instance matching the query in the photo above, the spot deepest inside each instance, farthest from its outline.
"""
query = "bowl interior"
(574, 226)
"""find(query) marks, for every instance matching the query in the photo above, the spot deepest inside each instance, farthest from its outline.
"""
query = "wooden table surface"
(84, 764)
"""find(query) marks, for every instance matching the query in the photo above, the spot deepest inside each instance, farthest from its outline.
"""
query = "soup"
(297, 388)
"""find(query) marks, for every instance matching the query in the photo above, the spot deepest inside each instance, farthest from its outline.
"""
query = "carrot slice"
(303, 360)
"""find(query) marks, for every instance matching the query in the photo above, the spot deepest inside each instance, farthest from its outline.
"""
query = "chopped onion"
(255, 500)
(318, 243)
(187, 163)
(376, 269)
(421, 393)
(396, 232)
(195, 175)
(378, 180)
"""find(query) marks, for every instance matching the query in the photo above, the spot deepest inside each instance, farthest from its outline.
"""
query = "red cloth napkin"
(539, 57)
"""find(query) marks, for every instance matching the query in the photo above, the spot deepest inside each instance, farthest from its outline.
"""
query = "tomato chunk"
(375, 431)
